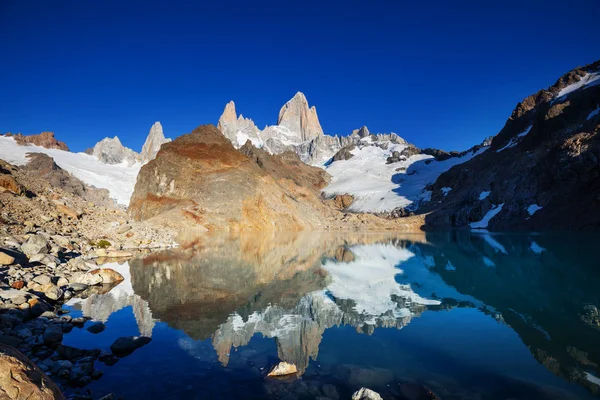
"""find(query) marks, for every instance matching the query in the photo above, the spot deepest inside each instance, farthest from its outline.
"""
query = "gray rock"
(127, 344)
(42, 279)
(77, 287)
(366, 394)
(36, 244)
(53, 334)
(53, 293)
(86, 278)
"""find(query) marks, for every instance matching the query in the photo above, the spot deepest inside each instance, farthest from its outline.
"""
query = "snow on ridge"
(514, 141)
(119, 179)
(446, 190)
(483, 223)
(588, 80)
(380, 187)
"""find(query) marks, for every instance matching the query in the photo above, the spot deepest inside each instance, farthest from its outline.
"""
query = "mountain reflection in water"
(335, 304)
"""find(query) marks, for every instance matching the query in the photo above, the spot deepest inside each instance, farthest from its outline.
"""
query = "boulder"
(96, 328)
(9, 184)
(108, 275)
(22, 379)
(6, 259)
(53, 334)
(36, 244)
(283, 369)
(366, 394)
(126, 345)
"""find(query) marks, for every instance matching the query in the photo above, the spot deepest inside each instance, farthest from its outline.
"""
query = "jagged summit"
(155, 139)
(362, 132)
(298, 117)
(112, 151)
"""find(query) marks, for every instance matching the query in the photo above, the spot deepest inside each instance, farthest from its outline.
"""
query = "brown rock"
(6, 259)
(18, 285)
(22, 379)
(68, 211)
(200, 179)
(44, 139)
(283, 369)
(108, 275)
(9, 184)
(342, 201)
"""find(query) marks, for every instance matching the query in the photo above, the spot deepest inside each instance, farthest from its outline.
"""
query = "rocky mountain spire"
(155, 139)
(238, 129)
(111, 151)
(362, 132)
(298, 117)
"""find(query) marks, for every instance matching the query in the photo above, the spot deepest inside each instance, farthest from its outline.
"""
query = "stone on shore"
(22, 379)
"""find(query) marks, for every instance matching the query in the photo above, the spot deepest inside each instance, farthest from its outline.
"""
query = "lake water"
(468, 316)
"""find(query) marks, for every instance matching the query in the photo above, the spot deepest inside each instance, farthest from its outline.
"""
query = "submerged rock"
(126, 345)
(283, 369)
(366, 394)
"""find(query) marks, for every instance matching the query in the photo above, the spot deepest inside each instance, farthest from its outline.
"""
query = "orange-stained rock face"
(22, 379)
(44, 139)
(201, 179)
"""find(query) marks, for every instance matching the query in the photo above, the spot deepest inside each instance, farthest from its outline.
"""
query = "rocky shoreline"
(39, 274)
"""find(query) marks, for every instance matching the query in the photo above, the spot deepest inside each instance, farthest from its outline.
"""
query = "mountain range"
(539, 172)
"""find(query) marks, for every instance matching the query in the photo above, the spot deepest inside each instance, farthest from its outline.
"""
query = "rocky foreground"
(54, 232)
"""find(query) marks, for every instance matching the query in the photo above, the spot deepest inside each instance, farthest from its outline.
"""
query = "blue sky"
(440, 74)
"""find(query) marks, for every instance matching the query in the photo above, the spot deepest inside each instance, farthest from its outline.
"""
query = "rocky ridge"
(44, 139)
(298, 130)
(541, 171)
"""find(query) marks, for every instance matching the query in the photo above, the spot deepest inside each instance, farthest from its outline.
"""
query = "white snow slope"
(118, 179)
(368, 178)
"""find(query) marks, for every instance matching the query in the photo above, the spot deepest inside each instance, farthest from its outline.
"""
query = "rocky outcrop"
(44, 139)
(112, 151)
(44, 166)
(299, 118)
(541, 171)
(155, 139)
(200, 179)
(22, 379)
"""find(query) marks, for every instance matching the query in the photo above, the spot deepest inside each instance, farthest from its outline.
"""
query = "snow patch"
(380, 187)
(536, 248)
(533, 208)
(593, 113)
(488, 262)
(370, 281)
(446, 190)
(592, 378)
(588, 80)
(514, 141)
(484, 195)
(119, 179)
(494, 243)
(487, 217)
